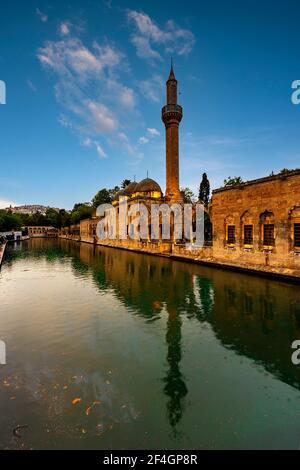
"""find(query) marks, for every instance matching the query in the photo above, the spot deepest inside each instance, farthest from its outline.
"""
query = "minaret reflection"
(175, 387)
(150, 287)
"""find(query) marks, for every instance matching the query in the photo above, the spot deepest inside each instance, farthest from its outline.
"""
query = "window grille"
(297, 235)
(248, 234)
(231, 234)
(269, 239)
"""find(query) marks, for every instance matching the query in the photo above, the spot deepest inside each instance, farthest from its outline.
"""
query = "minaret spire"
(171, 75)
(171, 116)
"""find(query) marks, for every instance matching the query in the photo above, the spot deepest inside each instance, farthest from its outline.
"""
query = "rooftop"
(279, 176)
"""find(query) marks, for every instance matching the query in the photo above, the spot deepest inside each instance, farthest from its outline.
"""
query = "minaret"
(171, 116)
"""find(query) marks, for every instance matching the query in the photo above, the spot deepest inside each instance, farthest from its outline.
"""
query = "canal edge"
(2, 251)
(289, 278)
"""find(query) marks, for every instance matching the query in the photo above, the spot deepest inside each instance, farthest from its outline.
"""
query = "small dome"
(130, 189)
(147, 185)
(118, 194)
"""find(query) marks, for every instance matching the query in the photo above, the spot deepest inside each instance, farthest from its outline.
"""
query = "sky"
(85, 83)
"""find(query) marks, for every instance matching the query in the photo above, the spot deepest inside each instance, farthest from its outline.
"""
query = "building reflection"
(255, 317)
(175, 387)
(252, 316)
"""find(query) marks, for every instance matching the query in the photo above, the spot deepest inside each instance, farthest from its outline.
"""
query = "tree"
(285, 171)
(188, 195)
(125, 183)
(113, 192)
(9, 221)
(102, 197)
(81, 211)
(52, 217)
(204, 190)
(233, 181)
(64, 218)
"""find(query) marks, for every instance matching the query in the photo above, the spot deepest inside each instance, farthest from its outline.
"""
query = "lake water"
(108, 349)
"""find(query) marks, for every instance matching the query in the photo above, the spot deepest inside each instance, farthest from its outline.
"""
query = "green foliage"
(9, 221)
(81, 211)
(125, 183)
(285, 171)
(63, 218)
(113, 191)
(233, 181)
(102, 197)
(188, 195)
(204, 189)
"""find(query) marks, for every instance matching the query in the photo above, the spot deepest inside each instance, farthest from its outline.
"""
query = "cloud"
(124, 140)
(69, 57)
(153, 132)
(65, 28)
(90, 90)
(88, 142)
(143, 48)
(4, 204)
(65, 122)
(43, 17)
(124, 94)
(101, 117)
(152, 88)
(143, 140)
(31, 85)
(148, 37)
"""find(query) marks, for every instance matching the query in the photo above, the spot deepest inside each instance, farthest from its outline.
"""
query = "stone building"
(72, 232)
(258, 222)
(41, 231)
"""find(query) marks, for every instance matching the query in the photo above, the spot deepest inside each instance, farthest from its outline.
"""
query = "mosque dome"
(147, 186)
(130, 189)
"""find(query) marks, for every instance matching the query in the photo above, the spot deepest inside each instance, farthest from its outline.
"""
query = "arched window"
(294, 223)
(230, 231)
(247, 229)
(267, 223)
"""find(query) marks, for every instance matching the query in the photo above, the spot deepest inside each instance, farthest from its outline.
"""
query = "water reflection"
(256, 318)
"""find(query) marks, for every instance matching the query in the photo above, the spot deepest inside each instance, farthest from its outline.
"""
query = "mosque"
(255, 226)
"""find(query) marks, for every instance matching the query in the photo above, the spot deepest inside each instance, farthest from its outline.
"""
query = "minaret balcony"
(171, 111)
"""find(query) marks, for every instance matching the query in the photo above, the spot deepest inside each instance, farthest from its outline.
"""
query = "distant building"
(42, 232)
(72, 232)
(30, 209)
(12, 235)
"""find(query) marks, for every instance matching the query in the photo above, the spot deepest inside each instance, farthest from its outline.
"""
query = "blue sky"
(86, 82)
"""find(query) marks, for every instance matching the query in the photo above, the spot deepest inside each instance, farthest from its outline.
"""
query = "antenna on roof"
(147, 173)
(134, 178)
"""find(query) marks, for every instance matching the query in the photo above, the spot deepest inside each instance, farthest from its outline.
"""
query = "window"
(231, 234)
(248, 234)
(269, 235)
(297, 235)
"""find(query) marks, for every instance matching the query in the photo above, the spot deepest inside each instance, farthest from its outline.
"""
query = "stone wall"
(272, 201)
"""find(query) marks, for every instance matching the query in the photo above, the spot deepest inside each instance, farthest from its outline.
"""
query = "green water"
(158, 353)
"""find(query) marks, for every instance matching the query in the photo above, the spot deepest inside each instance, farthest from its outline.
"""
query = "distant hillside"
(30, 209)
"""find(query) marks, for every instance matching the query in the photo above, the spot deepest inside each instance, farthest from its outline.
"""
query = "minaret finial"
(171, 74)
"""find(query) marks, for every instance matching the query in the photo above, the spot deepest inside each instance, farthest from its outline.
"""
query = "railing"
(172, 108)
